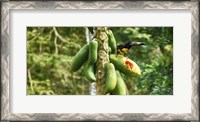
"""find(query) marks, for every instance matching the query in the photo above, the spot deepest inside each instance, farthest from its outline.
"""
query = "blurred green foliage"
(50, 51)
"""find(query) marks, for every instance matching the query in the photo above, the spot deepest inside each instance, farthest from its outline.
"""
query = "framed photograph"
(100, 60)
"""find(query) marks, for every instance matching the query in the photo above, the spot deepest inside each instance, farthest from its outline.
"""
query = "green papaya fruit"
(125, 65)
(112, 42)
(89, 71)
(120, 88)
(80, 58)
(110, 77)
(93, 47)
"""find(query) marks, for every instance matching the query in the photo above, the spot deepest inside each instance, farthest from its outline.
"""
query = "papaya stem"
(102, 59)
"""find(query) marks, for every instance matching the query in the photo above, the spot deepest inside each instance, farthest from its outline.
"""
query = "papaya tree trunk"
(102, 59)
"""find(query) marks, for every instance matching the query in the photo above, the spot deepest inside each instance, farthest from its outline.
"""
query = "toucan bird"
(124, 48)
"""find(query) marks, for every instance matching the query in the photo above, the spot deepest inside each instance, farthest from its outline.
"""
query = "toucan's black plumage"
(124, 48)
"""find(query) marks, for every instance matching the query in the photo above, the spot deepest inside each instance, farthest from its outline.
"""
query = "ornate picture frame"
(7, 6)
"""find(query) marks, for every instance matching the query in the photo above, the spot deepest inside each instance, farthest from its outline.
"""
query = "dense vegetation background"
(51, 49)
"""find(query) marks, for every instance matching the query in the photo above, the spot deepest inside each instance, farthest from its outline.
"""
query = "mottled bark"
(102, 59)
